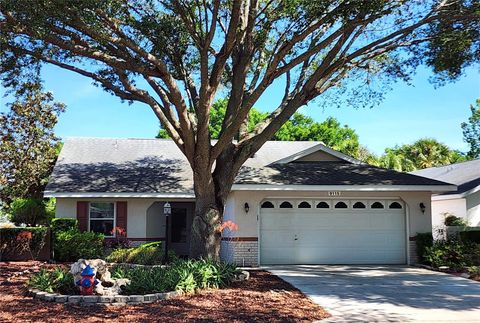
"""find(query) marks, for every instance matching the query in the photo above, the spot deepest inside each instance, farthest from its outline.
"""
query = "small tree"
(471, 131)
(28, 146)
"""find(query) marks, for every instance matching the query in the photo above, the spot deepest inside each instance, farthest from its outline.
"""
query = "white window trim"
(114, 216)
(328, 201)
(359, 201)
(385, 206)
(347, 202)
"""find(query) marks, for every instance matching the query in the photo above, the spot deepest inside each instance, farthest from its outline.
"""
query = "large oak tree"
(177, 56)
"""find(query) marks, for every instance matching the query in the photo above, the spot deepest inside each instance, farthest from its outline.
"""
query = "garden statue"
(88, 281)
(106, 285)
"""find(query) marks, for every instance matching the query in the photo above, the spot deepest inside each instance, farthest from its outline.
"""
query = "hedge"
(470, 235)
(17, 241)
(63, 224)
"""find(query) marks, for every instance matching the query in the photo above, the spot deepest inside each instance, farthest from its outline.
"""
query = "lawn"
(263, 298)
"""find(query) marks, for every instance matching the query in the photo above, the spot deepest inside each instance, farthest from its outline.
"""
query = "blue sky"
(406, 114)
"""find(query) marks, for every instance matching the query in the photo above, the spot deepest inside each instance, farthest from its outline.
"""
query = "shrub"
(63, 224)
(119, 241)
(452, 253)
(455, 221)
(145, 254)
(28, 211)
(72, 245)
(470, 235)
(423, 240)
(182, 275)
(54, 281)
(16, 241)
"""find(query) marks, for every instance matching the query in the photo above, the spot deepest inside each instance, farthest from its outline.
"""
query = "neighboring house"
(463, 202)
(293, 202)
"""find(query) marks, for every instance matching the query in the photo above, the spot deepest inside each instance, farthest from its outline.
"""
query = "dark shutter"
(82, 215)
(122, 215)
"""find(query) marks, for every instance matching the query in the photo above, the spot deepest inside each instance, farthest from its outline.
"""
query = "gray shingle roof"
(158, 166)
(466, 175)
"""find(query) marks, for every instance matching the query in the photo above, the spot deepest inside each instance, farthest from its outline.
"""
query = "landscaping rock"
(465, 275)
(50, 297)
(106, 299)
(40, 295)
(122, 299)
(74, 299)
(61, 298)
(443, 268)
(171, 294)
(150, 298)
(107, 285)
(242, 276)
(136, 299)
(90, 299)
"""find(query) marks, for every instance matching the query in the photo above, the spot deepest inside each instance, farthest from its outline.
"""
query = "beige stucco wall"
(456, 207)
(473, 209)
(248, 222)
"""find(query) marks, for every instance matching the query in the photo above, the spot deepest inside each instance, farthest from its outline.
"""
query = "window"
(102, 218)
(267, 205)
(377, 205)
(341, 205)
(323, 205)
(286, 205)
(358, 205)
(395, 205)
(304, 205)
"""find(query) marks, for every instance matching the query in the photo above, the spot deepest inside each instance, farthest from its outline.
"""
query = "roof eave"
(365, 188)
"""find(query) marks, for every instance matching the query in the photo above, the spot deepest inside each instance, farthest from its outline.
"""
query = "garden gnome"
(88, 281)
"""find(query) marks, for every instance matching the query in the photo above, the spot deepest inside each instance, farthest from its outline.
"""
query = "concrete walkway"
(385, 293)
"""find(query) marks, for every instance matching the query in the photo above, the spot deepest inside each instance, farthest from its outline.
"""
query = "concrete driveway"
(385, 293)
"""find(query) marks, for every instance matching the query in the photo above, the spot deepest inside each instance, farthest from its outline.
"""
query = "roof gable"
(318, 153)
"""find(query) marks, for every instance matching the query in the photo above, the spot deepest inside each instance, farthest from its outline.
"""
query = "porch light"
(422, 207)
(246, 207)
(167, 209)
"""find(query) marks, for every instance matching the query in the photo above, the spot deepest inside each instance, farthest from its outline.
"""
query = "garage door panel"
(333, 236)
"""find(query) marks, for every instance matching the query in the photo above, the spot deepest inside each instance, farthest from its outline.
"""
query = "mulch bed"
(264, 298)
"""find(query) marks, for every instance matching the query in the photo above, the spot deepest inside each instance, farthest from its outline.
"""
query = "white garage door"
(332, 232)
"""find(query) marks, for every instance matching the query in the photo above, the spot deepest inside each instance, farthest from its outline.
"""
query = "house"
(293, 202)
(463, 202)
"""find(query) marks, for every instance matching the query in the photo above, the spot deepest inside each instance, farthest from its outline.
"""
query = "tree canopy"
(471, 131)
(298, 128)
(423, 153)
(28, 146)
(178, 57)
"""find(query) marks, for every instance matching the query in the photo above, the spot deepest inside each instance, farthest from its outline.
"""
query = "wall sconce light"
(246, 207)
(422, 207)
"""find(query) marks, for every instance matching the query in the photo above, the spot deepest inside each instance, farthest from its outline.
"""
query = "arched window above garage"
(323, 205)
(377, 205)
(286, 205)
(267, 205)
(395, 205)
(358, 205)
(341, 205)
(304, 205)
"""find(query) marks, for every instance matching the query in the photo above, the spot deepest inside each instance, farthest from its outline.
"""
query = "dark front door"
(180, 224)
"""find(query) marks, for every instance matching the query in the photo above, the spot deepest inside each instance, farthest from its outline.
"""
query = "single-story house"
(463, 202)
(293, 202)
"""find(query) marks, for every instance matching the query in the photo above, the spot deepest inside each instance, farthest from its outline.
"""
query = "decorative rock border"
(101, 300)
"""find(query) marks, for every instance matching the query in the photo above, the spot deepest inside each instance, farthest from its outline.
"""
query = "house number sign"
(334, 193)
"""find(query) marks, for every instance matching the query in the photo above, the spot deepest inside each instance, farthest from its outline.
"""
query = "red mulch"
(264, 298)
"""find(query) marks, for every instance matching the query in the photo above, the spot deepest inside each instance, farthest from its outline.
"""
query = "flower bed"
(147, 283)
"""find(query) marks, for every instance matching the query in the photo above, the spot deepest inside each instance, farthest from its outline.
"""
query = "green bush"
(455, 221)
(145, 254)
(182, 275)
(423, 240)
(470, 235)
(17, 241)
(72, 245)
(54, 281)
(28, 211)
(452, 253)
(63, 224)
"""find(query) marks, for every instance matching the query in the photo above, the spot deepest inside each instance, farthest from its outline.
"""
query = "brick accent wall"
(241, 253)
(412, 246)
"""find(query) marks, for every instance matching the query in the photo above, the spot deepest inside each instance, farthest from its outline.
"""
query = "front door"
(180, 224)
